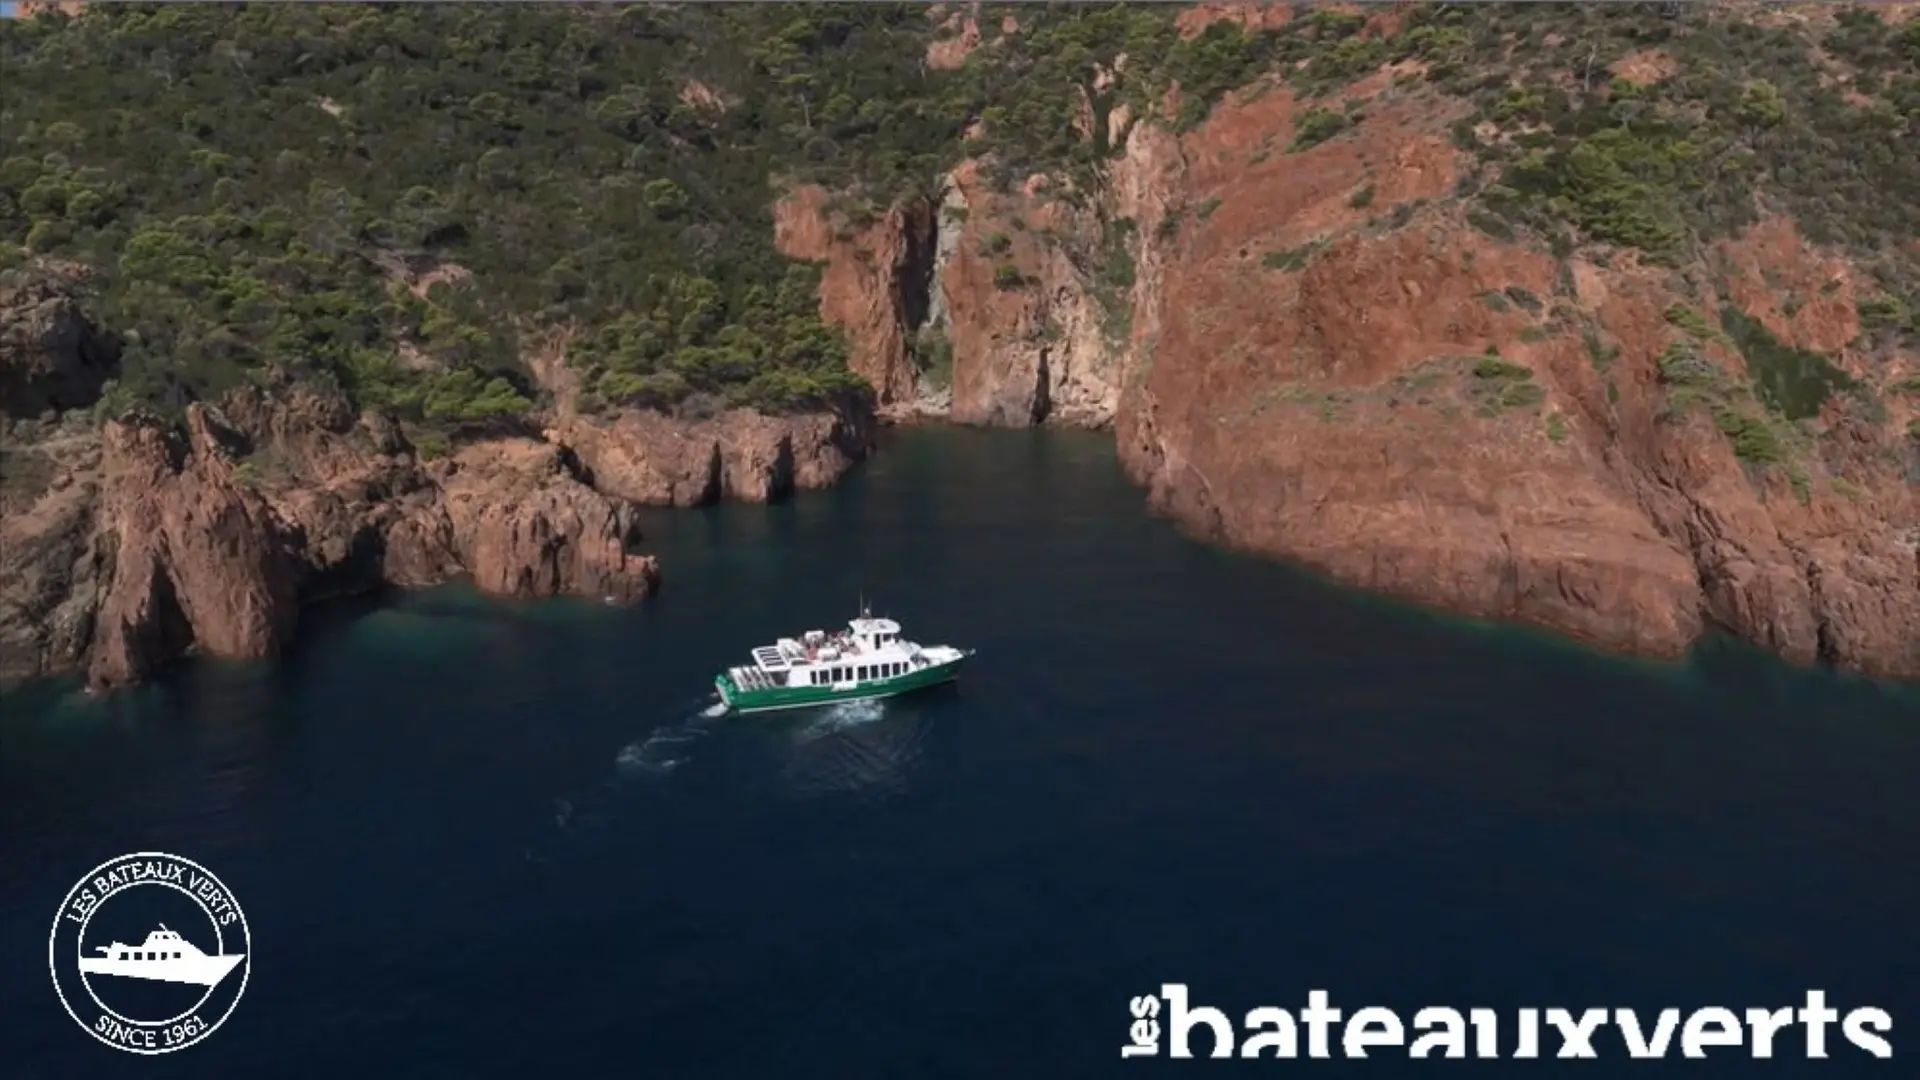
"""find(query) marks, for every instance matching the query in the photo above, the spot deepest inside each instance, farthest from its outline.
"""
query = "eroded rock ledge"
(150, 542)
(127, 545)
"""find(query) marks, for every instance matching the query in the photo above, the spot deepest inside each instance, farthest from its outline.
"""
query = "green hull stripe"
(800, 697)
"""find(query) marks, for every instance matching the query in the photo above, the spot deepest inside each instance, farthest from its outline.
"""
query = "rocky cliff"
(1598, 318)
(51, 357)
(1307, 348)
(127, 543)
(702, 452)
(140, 540)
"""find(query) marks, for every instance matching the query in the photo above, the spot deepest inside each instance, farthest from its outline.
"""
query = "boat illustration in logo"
(164, 957)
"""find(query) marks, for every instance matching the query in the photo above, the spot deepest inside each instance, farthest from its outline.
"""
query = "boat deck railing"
(754, 679)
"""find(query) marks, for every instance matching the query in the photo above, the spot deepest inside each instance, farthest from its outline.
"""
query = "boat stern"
(723, 685)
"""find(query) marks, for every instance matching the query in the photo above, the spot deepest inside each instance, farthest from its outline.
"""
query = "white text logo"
(1484, 1033)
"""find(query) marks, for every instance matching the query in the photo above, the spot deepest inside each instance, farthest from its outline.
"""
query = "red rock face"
(1297, 378)
(144, 544)
(691, 460)
(1606, 522)
(959, 35)
(647, 457)
(513, 516)
(1252, 15)
(198, 558)
(158, 544)
(864, 287)
(51, 357)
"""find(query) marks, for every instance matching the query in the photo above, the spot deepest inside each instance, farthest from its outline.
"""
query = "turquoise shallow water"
(477, 839)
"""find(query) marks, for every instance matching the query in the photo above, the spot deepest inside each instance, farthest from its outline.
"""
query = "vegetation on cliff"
(409, 200)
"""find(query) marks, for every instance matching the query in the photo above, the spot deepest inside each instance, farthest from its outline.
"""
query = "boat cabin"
(162, 944)
(868, 649)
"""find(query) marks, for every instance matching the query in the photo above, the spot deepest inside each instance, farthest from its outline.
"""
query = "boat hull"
(190, 970)
(781, 698)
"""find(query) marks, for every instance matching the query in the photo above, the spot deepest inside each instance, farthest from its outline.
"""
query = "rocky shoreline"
(1303, 348)
(127, 544)
(1378, 390)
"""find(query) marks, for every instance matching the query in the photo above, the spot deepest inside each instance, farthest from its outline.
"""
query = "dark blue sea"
(477, 840)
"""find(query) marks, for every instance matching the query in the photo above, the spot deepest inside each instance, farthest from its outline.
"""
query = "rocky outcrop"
(1036, 335)
(51, 356)
(27, 9)
(52, 557)
(125, 546)
(198, 556)
(160, 540)
(702, 453)
(1312, 391)
(652, 458)
(873, 282)
(513, 515)
(1291, 346)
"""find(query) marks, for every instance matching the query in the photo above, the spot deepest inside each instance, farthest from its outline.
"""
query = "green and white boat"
(866, 661)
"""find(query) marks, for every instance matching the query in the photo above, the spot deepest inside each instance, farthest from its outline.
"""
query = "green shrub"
(1680, 365)
(1316, 126)
(1521, 395)
(1292, 259)
(1492, 367)
(1691, 321)
(1753, 438)
(1792, 381)
(1883, 312)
